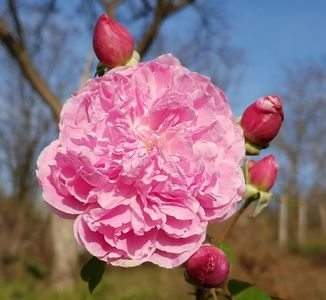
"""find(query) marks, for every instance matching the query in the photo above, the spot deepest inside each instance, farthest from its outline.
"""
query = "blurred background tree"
(302, 145)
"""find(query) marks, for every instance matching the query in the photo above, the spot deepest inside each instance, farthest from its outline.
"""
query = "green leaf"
(236, 286)
(252, 294)
(92, 272)
(227, 250)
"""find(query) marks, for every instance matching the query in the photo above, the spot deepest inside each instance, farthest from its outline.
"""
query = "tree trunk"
(64, 246)
(322, 214)
(65, 253)
(302, 222)
(283, 223)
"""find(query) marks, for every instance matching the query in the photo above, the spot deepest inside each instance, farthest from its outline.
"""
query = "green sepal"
(250, 192)
(135, 58)
(101, 70)
(263, 201)
(252, 149)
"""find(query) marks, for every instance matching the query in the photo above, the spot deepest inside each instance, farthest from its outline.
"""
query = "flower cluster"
(146, 157)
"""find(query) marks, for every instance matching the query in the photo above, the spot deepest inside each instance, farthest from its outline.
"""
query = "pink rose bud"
(208, 267)
(262, 174)
(113, 44)
(262, 120)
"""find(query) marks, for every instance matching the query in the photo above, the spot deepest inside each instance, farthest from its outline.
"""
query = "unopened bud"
(262, 174)
(209, 267)
(262, 120)
(113, 44)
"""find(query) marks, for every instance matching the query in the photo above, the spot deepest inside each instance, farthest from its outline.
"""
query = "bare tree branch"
(88, 65)
(150, 34)
(13, 10)
(163, 9)
(19, 53)
(173, 7)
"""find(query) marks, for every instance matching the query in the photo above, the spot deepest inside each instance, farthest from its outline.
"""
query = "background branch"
(110, 6)
(13, 11)
(162, 11)
(20, 55)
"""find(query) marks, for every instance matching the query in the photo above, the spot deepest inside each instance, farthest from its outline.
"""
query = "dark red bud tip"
(208, 267)
(262, 120)
(262, 174)
(112, 43)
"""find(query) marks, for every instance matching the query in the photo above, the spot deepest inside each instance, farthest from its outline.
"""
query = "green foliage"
(242, 290)
(92, 272)
(236, 286)
(251, 294)
(140, 283)
(227, 250)
(36, 270)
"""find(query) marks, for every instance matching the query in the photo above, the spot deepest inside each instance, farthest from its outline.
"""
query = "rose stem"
(214, 294)
(200, 293)
(236, 217)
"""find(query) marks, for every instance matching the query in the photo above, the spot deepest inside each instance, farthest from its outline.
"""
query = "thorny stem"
(237, 216)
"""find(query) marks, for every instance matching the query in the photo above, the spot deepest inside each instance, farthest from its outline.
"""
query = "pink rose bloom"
(147, 156)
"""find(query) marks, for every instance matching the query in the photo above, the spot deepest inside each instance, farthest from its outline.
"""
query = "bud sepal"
(135, 58)
(263, 201)
(252, 149)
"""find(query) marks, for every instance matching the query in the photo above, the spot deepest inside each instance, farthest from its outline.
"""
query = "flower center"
(148, 144)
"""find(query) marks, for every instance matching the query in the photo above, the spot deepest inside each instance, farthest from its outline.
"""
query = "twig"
(236, 217)
(163, 9)
(200, 293)
(85, 74)
(19, 53)
(110, 6)
(13, 10)
(214, 294)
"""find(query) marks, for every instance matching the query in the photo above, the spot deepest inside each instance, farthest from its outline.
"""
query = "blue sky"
(271, 33)
(274, 34)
